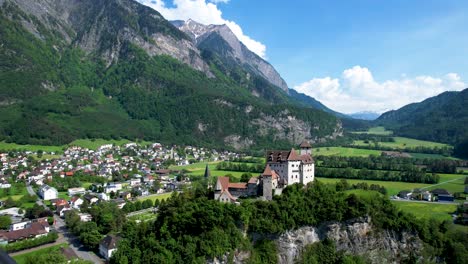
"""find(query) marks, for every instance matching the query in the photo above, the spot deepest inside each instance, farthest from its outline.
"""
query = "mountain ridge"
(70, 70)
(441, 118)
(202, 36)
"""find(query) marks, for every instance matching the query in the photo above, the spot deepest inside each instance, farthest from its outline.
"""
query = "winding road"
(66, 236)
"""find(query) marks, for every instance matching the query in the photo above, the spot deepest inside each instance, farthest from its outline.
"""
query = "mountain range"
(365, 115)
(442, 118)
(116, 68)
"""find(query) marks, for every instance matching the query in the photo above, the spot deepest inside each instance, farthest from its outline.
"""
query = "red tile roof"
(253, 180)
(238, 185)
(305, 144)
(36, 228)
(224, 182)
(267, 171)
(293, 155)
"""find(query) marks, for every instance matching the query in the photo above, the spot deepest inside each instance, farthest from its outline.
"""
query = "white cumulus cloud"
(356, 90)
(205, 12)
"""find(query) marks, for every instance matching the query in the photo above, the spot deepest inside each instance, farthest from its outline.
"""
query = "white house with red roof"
(226, 191)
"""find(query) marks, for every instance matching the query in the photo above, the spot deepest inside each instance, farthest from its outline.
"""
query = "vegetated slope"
(313, 103)
(191, 228)
(115, 68)
(443, 118)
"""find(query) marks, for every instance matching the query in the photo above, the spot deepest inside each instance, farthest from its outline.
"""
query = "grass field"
(346, 152)
(21, 259)
(84, 143)
(394, 188)
(402, 142)
(377, 131)
(427, 210)
(13, 146)
(155, 197)
(199, 169)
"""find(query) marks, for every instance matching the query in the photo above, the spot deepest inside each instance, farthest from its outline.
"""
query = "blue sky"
(351, 55)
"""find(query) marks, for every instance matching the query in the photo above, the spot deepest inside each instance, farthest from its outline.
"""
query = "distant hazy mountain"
(312, 102)
(365, 115)
(443, 118)
(219, 40)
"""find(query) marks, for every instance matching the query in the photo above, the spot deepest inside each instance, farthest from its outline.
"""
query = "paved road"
(418, 201)
(75, 243)
(66, 236)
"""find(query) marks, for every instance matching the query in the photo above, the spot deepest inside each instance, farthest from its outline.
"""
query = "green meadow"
(394, 188)
(379, 130)
(93, 144)
(439, 211)
(22, 258)
(155, 197)
(199, 169)
(13, 146)
(403, 142)
(346, 152)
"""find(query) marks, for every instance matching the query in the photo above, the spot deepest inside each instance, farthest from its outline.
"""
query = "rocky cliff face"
(357, 237)
(103, 27)
(204, 35)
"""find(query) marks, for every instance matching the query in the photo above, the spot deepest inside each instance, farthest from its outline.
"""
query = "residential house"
(61, 209)
(84, 217)
(33, 230)
(75, 191)
(58, 202)
(76, 202)
(90, 198)
(48, 193)
(229, 192)
(108, 245)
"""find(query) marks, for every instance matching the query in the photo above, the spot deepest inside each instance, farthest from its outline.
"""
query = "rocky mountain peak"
(208, 36)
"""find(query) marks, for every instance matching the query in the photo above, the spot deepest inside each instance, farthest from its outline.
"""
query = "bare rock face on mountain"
(116, 68)
(357, 237)
(221, 40)
(103, 27)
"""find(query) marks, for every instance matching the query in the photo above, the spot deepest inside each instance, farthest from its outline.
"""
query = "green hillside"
(54, 88)
(443, 118)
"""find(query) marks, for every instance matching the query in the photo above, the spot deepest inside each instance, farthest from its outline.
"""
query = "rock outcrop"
(357, 237)
(208, 36)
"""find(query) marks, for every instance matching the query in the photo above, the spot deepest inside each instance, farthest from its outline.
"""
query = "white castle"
(282, 168)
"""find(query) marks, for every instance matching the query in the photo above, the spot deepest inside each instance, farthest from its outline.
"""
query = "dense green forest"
(191, 228)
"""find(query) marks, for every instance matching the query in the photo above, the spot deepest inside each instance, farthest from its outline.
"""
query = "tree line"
(390, 163)
(192, 228)
(412, 175)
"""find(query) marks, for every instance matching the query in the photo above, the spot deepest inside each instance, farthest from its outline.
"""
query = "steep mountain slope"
(115, 68)
(443, 118)
(220, 40)
(313, 103)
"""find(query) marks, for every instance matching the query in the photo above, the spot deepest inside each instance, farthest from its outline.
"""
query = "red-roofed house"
(226, 191)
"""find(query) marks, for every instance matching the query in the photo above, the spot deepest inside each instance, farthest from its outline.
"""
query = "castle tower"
(207, 177)
(267, 178)
(306, 148)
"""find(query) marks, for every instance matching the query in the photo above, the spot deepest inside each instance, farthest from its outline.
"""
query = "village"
(82, 177)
